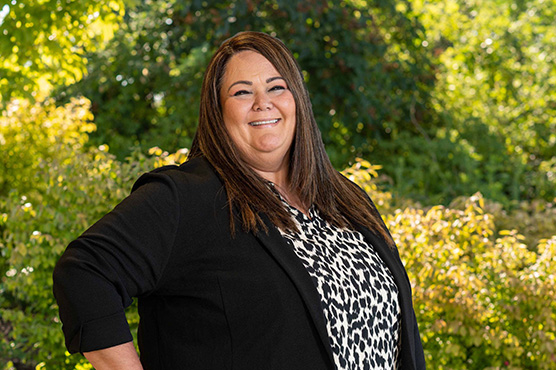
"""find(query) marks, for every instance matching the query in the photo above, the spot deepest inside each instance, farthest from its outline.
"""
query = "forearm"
(120, 357)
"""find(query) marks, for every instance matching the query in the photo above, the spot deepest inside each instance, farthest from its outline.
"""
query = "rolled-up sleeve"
(121, 256)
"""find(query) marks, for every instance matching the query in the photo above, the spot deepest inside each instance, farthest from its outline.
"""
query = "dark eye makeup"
(273, 88)
(277, 87)
(241, 92)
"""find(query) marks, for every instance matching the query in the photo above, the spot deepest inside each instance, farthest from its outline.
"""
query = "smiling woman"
(254, 254)
(259, 113)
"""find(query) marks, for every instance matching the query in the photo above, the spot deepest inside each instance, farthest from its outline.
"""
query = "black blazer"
(206, 300)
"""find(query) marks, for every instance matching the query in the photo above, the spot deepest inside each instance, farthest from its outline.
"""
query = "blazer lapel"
(288, 260)
(394, 264)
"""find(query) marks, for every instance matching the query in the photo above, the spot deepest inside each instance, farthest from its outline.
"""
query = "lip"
(264, 122)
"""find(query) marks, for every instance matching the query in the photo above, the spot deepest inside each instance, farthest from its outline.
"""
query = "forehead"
(248, 65)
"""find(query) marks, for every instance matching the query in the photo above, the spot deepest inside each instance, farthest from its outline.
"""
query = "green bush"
(63, 191)
(31, 136)
(483, 301)
(535, 220)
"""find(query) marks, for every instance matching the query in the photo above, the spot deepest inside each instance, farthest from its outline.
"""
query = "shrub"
(31, 135)
(482, 301)
(64, 190)
(36, 229)
(535, 220)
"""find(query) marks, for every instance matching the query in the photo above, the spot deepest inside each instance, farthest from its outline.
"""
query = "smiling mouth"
(267, 122)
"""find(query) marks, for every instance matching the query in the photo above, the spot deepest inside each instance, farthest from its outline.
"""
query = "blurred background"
(444, 111)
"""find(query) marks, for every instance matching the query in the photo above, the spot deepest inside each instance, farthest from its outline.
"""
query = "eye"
(277, 88)
(241, 92)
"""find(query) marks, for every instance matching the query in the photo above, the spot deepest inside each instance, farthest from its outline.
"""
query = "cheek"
(233, 112)
(233, 120)
(292, 116)
(288, 104)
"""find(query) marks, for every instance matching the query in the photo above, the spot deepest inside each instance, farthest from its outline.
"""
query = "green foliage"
(483, 301)
(362, 62)
(31, 136)
(536, 219)
(44, 42)
(365, 174)
(64, 191)
(453, 162)
(496, 93)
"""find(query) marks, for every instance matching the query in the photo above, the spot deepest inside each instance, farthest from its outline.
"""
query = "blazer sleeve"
(121, 256)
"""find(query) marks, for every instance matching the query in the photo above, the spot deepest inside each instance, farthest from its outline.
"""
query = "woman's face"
(258, 110)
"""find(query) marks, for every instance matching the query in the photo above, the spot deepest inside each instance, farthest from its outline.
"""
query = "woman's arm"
(120, 257)
(120, 357)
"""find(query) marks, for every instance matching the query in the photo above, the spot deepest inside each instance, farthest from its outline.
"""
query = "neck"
(291, 196)
(277, 172)
(280, 179)
(279, 176)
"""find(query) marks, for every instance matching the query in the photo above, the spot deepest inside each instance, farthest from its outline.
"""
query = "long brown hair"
(312, 176)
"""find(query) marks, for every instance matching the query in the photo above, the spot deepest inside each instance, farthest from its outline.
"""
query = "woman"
(254, 254)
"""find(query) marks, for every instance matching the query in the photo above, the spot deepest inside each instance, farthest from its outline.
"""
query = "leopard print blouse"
(358, 294)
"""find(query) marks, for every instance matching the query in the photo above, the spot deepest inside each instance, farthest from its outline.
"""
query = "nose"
(262, 102)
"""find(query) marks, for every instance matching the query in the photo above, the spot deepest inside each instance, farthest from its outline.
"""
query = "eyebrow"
(269, 80)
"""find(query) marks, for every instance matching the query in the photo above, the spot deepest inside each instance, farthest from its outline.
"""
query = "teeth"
(259, 123)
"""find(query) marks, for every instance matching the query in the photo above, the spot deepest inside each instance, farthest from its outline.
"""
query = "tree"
(43, 43)
(363, 63)
(496, 90)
